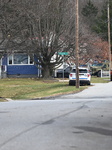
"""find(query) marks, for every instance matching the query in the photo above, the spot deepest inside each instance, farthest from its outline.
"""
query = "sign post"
(63, 54)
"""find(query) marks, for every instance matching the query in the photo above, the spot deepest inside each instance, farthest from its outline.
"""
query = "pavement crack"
(101, 131)
(50, 121)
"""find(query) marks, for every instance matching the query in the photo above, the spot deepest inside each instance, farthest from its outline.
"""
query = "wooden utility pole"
(77, 41)
(109, 37)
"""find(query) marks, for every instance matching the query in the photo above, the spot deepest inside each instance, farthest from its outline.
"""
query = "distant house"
(18, 65)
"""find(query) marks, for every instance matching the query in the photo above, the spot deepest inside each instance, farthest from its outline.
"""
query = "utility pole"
(109, 38)
(77, 41)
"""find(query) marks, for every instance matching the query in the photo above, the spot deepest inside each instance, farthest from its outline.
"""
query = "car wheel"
(71, 83)
(89, 83)
(99, 74)
(59, 75)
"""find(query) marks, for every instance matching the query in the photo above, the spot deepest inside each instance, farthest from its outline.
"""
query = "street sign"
(63, 53)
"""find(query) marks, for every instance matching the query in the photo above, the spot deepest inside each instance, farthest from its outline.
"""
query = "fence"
(105, 74)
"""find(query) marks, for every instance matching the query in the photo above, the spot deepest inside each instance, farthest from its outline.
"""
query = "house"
(18, 65)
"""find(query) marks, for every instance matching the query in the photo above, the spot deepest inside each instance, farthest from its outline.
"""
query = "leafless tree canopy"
(52, 31)
(43, 28)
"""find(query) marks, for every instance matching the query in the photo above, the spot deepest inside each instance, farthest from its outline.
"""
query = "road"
(81, 121)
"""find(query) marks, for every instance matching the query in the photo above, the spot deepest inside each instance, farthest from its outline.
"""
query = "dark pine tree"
(89, 9)
(101, 23)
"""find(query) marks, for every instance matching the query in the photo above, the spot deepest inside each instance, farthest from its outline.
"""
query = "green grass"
(99, 80)
(38, 88)
(34, 88)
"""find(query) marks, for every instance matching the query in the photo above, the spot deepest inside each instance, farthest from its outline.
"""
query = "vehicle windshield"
(83, 66)
(100, 64)
(80, 70)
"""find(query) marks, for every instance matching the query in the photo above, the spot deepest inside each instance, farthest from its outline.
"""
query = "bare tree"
(89, 48)
(13, 24)
(3, 36)
(51, 31)
(43, 28)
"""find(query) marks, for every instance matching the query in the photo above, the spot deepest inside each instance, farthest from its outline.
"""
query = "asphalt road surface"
(80, 121)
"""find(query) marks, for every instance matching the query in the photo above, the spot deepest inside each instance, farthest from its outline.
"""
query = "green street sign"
(63, 53)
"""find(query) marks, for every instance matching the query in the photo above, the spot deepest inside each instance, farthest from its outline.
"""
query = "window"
(19, 59)
(10, 59)
(80, 71)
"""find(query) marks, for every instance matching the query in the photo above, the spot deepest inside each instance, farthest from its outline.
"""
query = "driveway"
(97, 90)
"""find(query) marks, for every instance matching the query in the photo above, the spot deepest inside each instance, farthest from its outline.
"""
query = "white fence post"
(101, 73)
(0, 72)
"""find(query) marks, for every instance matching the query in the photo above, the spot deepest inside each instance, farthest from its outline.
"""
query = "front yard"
(36, 88)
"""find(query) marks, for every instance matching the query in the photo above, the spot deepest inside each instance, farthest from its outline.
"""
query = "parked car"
(111, 75)
(97, 67)
(84, 76)
(65, 71)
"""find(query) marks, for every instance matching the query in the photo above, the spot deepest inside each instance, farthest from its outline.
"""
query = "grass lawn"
(99, 80)
(36, 88)
(33, 88)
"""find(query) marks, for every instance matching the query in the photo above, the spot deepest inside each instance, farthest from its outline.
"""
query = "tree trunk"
(46, 72)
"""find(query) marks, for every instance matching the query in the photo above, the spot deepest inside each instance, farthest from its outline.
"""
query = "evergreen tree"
(89, 9)
(101, 23)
